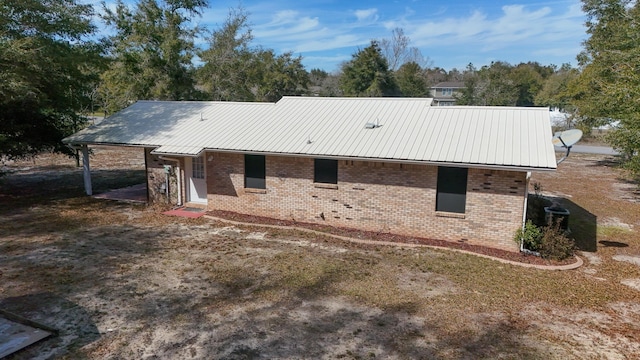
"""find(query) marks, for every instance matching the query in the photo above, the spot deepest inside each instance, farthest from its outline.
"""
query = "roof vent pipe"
(371, 125)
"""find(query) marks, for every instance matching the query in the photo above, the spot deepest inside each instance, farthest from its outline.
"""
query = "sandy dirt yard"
(121, 281)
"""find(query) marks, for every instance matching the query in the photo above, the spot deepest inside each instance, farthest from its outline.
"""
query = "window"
(452, 189)
(447, 92)
(325, 171)
(197, 168)
(254, 172)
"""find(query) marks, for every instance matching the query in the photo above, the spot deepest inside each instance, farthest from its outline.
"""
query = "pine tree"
(368, 74)
(151, 52)
(47, 67)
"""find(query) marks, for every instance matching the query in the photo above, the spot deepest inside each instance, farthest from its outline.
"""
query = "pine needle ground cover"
(122, 281)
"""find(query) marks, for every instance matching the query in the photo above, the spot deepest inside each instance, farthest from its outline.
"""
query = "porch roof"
(177, 150)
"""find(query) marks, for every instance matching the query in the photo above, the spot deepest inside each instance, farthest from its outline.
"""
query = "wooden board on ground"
(17, 333)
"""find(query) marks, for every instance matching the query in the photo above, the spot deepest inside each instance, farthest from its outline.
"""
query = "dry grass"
(121, 281)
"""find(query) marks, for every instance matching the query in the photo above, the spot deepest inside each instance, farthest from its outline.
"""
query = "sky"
(450, 33)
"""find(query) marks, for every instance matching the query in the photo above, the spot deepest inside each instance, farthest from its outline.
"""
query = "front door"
(197, 182)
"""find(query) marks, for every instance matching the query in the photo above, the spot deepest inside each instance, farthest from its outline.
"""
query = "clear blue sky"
(450, 33)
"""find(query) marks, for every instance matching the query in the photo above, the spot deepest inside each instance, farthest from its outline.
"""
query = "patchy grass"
(122, 281)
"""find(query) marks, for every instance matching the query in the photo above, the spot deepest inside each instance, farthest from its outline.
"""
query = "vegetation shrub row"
(549, 241)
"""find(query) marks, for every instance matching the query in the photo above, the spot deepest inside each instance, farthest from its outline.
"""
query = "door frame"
(195, 183)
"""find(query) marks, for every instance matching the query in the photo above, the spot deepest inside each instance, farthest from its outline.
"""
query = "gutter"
(178, 176)
(524, 212)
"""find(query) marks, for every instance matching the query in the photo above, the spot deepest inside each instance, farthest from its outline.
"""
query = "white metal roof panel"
(178, 150)
(410, 130)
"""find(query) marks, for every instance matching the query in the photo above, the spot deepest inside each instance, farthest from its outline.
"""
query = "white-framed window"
(447, 92)
(197, 169)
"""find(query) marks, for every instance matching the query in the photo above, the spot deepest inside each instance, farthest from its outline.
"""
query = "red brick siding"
(374, 196)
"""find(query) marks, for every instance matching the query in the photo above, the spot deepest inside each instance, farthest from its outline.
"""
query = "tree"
(367, 74)
(151, 52)
(279, 75)
(555, 89)
(468, 96)
(412, 81)
(229, 61)
(47, 66)
(527, 81)
(397, 52)
(609, 85)
(317, 76)
(324, 83)
(436, 75)
(490, 86)
(495, 85)
(234, 71)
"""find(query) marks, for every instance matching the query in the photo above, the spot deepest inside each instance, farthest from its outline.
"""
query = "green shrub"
(555, 244)
(530, 237)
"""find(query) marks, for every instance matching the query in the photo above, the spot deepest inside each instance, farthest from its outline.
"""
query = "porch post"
(86, 170)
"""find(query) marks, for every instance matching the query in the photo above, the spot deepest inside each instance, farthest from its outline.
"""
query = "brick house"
(382, 164)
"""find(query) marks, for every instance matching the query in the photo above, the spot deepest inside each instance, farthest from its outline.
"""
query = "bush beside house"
(545, 238)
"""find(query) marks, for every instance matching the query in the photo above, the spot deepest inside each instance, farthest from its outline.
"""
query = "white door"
(197, 182)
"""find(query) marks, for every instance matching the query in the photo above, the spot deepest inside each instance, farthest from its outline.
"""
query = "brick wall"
(374, 196)
(156, 179)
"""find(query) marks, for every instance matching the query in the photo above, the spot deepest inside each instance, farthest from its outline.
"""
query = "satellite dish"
(566, 139)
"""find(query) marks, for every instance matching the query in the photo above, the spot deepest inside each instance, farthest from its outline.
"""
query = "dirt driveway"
(121, 281)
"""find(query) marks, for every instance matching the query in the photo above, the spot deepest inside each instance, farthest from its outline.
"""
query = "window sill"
(326, 186)
(255, 191)
(450, 215)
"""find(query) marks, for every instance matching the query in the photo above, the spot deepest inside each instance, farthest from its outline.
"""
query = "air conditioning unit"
(553, 214)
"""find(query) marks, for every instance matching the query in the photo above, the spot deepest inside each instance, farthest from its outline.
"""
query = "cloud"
(330, 43)
(288, 25)
(290, 30)
(516, 25)
(450, 34)
(367, 14)
(450, 29)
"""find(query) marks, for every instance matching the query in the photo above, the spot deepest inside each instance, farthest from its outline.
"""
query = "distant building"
(443, 93)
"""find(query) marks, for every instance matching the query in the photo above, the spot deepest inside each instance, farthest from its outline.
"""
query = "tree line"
(54, 68)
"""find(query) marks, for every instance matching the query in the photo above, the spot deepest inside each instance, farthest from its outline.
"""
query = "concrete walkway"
(135, 193)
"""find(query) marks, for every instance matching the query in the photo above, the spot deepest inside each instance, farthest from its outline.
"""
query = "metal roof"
(449, 84)
(410, 130)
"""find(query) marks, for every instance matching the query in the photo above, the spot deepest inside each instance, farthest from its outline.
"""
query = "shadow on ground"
(26, 188)
(582, 223)
(73, 322)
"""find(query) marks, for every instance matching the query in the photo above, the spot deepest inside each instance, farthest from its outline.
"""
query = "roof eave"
(336, 157)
